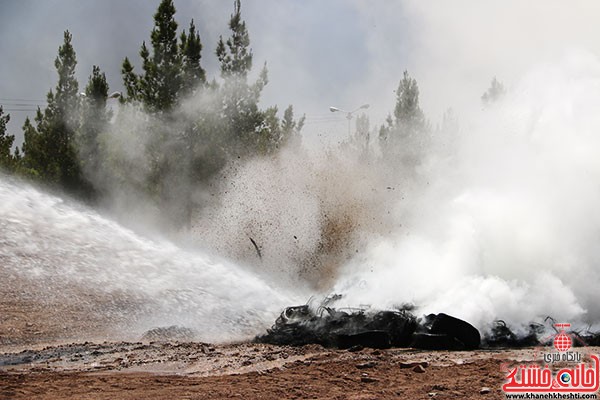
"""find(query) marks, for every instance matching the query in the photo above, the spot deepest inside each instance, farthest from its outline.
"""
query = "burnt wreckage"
(329, 327)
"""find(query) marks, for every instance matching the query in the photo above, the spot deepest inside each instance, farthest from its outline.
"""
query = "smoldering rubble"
(347, 328)
(358, 328)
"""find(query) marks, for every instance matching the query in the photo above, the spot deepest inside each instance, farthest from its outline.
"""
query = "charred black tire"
(444, 324)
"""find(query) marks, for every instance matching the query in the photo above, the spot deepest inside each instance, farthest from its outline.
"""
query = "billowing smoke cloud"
(499, 221)
(506, 227)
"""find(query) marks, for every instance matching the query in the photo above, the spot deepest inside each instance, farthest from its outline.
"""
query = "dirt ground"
(249, 371)
(41, 358)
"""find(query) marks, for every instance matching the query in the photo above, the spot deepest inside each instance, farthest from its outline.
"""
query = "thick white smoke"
(499, 222)
(508, 225)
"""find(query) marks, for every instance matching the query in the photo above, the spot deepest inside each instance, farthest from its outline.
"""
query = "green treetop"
(405, 135)
(7, 160)
(408, 113)
(234, 54)
(49, 150)
(171, 69)
(94, 118)
(193, 74)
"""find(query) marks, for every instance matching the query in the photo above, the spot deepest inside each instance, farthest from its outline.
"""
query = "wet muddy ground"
(42, 356)
(251, 371)
(196, 370)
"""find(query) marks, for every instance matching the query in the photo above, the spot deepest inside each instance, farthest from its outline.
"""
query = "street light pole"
(348, 113)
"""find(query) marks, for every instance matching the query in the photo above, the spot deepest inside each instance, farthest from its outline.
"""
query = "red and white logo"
(532, 378)
(562, 342)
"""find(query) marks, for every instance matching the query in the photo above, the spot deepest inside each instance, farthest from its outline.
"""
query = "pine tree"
(193, 75)
(33, 155)
(248, 127)
(131, 82)
(292, 131)
(94, 115)
(230, 124)
(494, 93)
(94, 118)
(162, 80)
(67, 100)
(49, 148)
(408, 113)
(236, 57)
(405, 135)
(290, 128)
(171, 71)
(159, 87)
(7, 159)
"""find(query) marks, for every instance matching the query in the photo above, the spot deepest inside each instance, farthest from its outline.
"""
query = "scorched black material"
(329, 327)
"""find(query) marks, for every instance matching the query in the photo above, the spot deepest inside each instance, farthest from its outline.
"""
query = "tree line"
(64, 144)
(63, 140)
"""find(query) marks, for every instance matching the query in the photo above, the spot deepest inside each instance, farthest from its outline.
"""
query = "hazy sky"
(318, 52)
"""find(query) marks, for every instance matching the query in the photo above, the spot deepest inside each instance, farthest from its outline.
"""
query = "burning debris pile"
(537, 334)
(348, 328)
(327, 326)
(502, 336)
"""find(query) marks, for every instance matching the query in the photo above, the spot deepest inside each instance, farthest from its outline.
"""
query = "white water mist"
(73, 251)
